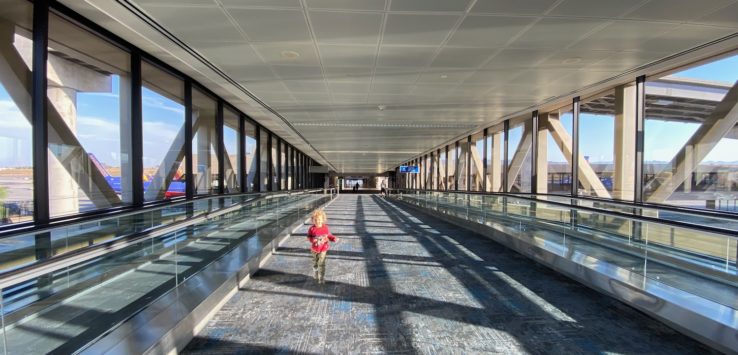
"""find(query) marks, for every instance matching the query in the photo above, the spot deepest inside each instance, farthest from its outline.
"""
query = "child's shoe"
(321, 280)
(315, 273)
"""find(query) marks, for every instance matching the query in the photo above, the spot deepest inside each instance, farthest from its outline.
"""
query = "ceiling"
(371, 83)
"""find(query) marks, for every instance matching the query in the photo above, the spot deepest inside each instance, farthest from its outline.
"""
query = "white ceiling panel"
(490, 77)
(346, 27)
(348, 56)
(555, 33)
(292, 72)
(677, 10)
(229, 54)
(318, 86)
(405, 56)
(272, 25)
(685, 37)
(722, 17)
(197, 24)
(375, 5)
(444, 77)
(429, 30)
(512, 59)
(488, 31)
(260, 3)
(625, 35)
(531, 7)
(176, 2)
(603, 9)
(452, 57)
(284, 53)
(429, 5)
(403, 76)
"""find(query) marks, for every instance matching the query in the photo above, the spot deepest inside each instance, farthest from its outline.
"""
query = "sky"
(98, 127)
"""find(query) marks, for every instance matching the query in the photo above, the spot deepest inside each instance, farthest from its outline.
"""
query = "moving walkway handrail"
(727, 232)
(55, 263)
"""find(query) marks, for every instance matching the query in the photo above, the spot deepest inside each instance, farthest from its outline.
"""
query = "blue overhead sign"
(412, 169)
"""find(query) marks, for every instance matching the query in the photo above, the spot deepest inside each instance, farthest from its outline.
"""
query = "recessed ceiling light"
(289, 54)
(381, 107)
(444, 76)
(574, 60)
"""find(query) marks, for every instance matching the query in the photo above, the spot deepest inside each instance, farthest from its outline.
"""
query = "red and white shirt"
(319, 237)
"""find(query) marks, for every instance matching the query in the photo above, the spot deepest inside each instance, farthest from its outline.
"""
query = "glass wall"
(273, 165)
(555, 144)
(519, 155)
(453, 153)
(282, 165)
(264, 160)
(16, 150)
(443, 161)
(250, 142)
(89, 121)
(231, 142)
(163, 134)
(690, 138)
(462, 164)
(607, 144)
(204, 143)
(495, 158)
(477, 161)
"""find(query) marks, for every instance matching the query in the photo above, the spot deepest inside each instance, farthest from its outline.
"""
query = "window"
(495, 158)
(690, 137)
(251, 158)
(555, 144)
(607, 144)
(16, 147)
(477, 161)
(453, 153)
(232, 163)
(462, 164)
(282, 165)
(204, 143)
(274, 163)
(89, 121)
(443, 182)
(264, 160)
(519, 155)
(163, 134)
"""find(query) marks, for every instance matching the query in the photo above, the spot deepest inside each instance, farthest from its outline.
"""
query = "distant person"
(356, 187)
(383, 189)
(319, 236)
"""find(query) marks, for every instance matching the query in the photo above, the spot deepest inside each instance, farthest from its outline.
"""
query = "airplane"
(177, 186)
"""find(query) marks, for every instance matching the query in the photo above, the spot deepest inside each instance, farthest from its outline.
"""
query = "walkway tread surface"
(407, 283)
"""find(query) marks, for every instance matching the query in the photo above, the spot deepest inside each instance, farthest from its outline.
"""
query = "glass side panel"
(231, 141)
(557, 128)
(163, 134)
(495, 158)
(16, 145)
(690, 137)
(204, 143)
(89, 121)
(607, 144)
(251, 159)
(263, 160)
(519, 155)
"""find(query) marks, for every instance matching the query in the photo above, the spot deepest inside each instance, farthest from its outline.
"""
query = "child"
(319, 235)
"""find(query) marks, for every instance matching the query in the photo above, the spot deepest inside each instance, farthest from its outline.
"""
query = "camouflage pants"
(319, 264)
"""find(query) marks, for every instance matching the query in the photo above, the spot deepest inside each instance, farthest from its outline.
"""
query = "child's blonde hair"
(319, 213)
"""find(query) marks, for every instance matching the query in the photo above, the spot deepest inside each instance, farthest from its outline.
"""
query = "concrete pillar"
(625, 134)
(66, 79)
(64, 190)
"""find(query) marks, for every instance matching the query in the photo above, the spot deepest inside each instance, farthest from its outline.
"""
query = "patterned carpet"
(407, 283)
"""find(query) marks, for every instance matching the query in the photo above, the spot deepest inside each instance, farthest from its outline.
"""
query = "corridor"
(407, 283)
